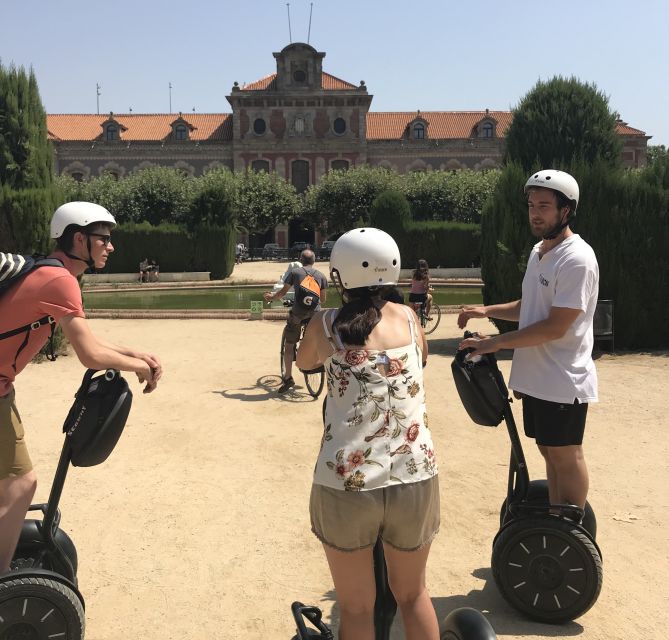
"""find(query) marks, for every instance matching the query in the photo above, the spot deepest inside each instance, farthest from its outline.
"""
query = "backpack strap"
(330, 333)
(17, 270)
(27, 328)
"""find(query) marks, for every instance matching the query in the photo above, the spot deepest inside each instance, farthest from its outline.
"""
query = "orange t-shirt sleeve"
(60, 297)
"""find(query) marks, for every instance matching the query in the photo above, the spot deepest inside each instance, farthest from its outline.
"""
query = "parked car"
(326, 249)
(270, 250)
(297, 248)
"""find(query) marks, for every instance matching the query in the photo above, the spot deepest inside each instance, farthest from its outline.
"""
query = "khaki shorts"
(405, 516)
(14, 456)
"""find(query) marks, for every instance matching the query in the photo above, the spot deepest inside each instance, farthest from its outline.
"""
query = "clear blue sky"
(422, 54)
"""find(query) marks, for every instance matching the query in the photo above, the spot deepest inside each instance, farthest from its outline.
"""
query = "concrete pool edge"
(202, 314)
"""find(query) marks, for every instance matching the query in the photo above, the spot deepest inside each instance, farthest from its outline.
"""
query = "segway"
(545, 560)
(39, 599)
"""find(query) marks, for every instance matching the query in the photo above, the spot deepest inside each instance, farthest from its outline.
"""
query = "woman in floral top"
(376, 473)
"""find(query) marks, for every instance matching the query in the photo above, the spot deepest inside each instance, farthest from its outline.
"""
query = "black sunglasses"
(106, 238)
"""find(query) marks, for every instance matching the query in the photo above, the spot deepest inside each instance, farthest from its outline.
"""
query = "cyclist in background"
(309, 285)
(420, 288)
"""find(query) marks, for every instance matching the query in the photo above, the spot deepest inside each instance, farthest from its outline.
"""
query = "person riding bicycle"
(82, 231)
(420, 288)
(309, 285)
(376, 473)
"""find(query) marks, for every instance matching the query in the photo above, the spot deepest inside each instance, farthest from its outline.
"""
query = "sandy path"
(197, 526)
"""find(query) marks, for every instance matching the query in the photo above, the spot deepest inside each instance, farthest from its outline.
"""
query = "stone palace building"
(300, 122)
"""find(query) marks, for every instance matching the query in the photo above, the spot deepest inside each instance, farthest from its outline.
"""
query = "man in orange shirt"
(82, 234)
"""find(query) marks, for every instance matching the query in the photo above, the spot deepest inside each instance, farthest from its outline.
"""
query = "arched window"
(300, 175)
(77, 175)
(260, 165)
(419, 131)
(487, 130)
(112, 133)
(339, 165)
(181, 132)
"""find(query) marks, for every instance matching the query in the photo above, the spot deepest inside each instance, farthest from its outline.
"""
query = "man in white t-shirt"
(552, 369)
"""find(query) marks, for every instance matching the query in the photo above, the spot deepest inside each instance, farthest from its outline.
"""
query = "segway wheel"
(37, 608)
(547, 568)
(466, 623)
(537, 493)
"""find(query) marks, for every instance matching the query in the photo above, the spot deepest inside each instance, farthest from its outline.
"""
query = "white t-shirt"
(561, 370)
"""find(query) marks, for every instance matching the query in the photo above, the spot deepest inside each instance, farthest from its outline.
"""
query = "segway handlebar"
(314, 615)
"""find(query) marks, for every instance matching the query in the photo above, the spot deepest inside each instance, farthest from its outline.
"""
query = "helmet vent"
(394, 263)
(548, 178)
(365, 264)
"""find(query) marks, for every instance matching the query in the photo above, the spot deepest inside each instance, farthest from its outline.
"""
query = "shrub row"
(207, 248)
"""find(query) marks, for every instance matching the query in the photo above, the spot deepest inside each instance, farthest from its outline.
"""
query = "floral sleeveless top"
(375, 430)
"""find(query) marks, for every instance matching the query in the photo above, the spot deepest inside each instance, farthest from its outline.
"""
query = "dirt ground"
(197, 526)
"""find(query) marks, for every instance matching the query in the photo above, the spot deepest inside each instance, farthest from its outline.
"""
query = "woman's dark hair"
(421, 270)
(360, 313)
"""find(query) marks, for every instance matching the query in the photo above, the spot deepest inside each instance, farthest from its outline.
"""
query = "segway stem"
(519, 477)
(51, 518)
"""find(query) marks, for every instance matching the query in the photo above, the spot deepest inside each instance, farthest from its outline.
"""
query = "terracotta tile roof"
(442, 124)
(623, 129)
(218, 126)
(140, 126)
(268, 83)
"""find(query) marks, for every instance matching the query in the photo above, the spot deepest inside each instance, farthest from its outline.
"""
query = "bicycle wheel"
(315, 381)
(283, 350)
(431, 322)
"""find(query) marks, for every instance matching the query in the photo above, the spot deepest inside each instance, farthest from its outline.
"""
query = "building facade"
(300, 122)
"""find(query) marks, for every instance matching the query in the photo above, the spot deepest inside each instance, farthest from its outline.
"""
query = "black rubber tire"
(537, 493)
(435, 316)
(283, 350)
(40, 608)
(547, 568)
(466, 623)
(315, 382)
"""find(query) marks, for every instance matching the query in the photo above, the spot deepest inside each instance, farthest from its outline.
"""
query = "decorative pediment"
(417, 128)
(486, 127)
(112, 129)
(181, 128)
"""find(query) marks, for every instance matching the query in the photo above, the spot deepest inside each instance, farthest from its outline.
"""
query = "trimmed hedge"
(208, 248)
(442, 244)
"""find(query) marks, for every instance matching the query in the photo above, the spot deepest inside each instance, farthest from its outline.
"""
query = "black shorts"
(554, 424)
(418, 297)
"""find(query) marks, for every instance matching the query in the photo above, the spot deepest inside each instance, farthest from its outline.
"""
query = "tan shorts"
(405, 516)
(14, 456)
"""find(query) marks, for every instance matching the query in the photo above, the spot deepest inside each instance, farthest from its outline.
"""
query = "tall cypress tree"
(27, 194)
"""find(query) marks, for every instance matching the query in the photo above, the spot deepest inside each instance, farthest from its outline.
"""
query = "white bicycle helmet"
(365, 257)
(80, 213)
(557, 181)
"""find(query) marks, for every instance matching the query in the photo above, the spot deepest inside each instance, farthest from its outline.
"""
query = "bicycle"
(431, 322)
(314, 378)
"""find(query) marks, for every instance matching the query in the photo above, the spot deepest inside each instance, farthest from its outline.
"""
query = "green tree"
(264, 200)
(505, 240)
(562, 121)
(154, 194)
(656, 152)
(390, 211)
(342, 200)
(27, 195)
(457, 196)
